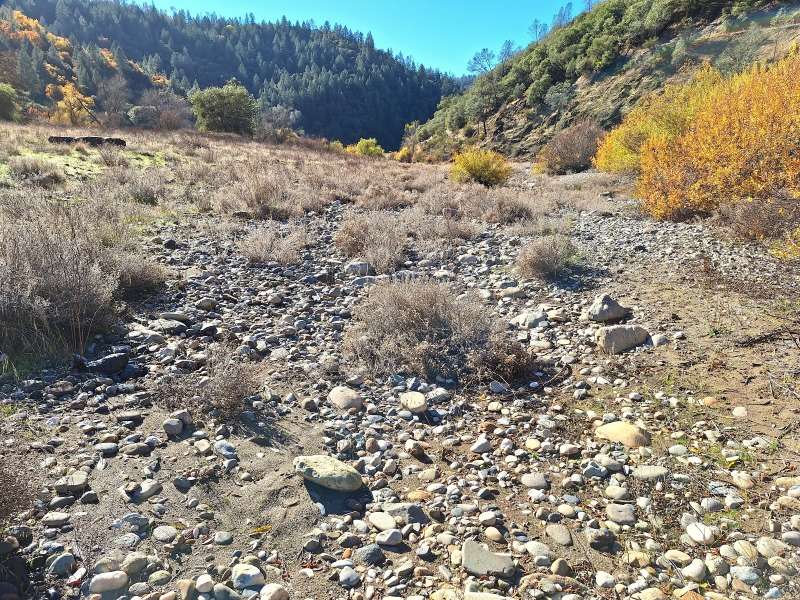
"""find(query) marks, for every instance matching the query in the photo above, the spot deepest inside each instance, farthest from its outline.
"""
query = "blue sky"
(439, 33)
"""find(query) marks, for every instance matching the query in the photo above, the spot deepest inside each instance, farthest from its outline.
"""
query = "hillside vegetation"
(326, 80)
(596, 67)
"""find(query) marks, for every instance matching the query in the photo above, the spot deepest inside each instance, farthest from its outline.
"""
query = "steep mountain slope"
(342, 86)
(598, 66)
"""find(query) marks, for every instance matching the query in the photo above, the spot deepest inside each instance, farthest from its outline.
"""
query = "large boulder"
(328, 472)
(619, 338)
(605, 309)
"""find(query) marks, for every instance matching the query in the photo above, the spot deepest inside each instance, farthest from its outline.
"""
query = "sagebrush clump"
(272, 243)
(57, 277)
(378, 237)
(481, 166)
(423, 328)
(547, 258)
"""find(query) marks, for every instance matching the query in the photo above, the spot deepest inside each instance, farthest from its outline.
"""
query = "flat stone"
(624, 433)
(328, 472)
(559, 533)
(536, 481)
(382, 521)
(650, 472)
(55, 519)
(108, 582)
(165, 533)
(620, 338)
(72, 484)
(622, 514)
(479, 561)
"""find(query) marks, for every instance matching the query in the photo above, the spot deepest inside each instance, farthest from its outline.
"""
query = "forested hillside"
(334, 81)
(596, 66)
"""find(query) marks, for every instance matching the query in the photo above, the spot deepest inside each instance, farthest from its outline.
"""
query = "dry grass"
(138, 275)
(423, 328)
(539, 226)
(35, 170)
(378, 237)
(273, 243)
(384, 197)
(111, 156)
(547, 257)
(57, 280)
(268, 192)
(437, 233)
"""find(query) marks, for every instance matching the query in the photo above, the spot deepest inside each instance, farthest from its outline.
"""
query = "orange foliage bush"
(741, 143)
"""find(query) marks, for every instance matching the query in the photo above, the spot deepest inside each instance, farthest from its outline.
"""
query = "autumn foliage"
(71, 106)
(717, 145)
(662, 116)
(741, 144)
(481, 166)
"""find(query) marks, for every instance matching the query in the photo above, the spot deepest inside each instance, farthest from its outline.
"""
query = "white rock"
(274, 591)
(328, 472)
(107, 582)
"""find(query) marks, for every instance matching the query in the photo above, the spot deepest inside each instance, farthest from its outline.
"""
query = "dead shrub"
(422, 182)
(758, 220)
(418, 327)
(145, 188)
(138, 275)
(570, 150)
(269, 192)
(377, 237)
(112, 157)
(437, 233)
(272, 243)
(57, 281)
(503, 359)
(223, 391)
(35, 170)
(501, 206)
(384, 197)
(547, 257)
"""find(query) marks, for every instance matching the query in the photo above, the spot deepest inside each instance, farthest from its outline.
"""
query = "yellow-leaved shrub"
(742, 142)
(661, 116)
(481, 166)
(365, 147)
